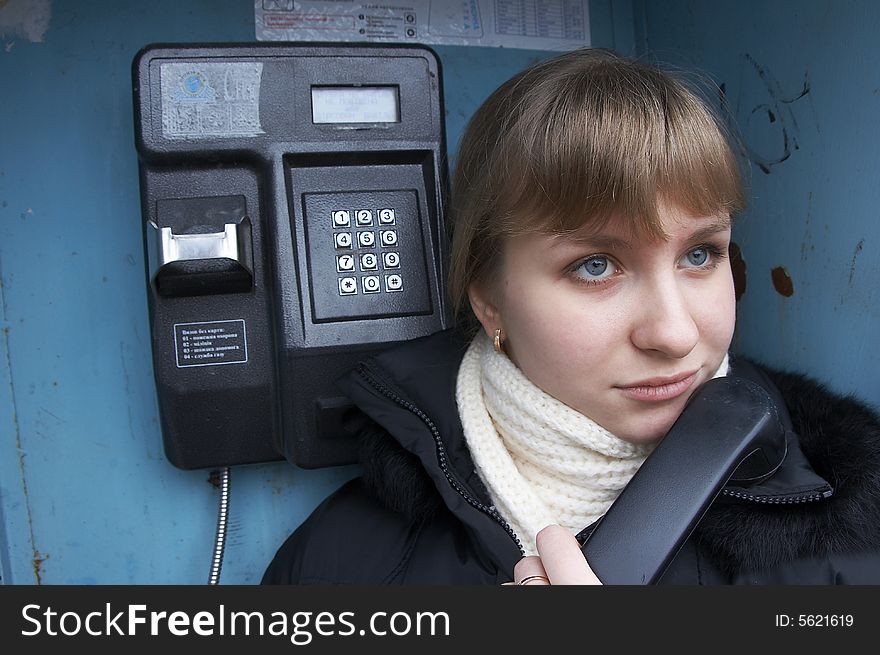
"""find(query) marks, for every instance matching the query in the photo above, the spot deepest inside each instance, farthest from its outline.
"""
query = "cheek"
(716, 313)
(550, 335)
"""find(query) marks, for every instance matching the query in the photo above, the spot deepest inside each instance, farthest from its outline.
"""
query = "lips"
(660, 389)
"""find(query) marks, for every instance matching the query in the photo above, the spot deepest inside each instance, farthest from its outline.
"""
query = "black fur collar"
(840, 438)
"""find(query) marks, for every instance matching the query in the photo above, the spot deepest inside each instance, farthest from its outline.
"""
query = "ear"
(486, 312)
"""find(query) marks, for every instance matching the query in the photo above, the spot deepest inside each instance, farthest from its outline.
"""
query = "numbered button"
(391, 260)
(341, 218)
(371, 284)
(393, 282)
(369, 262)
(347, 286)
(366, 239)
(343, 240)
(364, 217)
(389, 238)
(344, 263)
(386, 216)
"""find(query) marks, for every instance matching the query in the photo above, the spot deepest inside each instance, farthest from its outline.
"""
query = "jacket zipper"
(372, 378)
(774, 500)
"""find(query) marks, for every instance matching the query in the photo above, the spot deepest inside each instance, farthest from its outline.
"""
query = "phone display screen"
(355, 104)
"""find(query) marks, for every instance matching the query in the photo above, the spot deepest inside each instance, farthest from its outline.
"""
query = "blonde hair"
(580, 139)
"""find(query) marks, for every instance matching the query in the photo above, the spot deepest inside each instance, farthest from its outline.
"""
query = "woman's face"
(623, 330)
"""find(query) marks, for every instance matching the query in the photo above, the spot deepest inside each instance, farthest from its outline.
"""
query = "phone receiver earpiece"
(729, 430)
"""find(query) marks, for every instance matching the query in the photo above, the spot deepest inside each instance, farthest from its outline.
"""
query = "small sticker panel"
(210, 344)
(210, 99)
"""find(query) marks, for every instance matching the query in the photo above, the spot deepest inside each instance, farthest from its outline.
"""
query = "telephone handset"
(729, 430)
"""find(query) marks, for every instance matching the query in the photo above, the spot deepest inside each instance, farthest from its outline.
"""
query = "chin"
(649, 432)
(643, 438)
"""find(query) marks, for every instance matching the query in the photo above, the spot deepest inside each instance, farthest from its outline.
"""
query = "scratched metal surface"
(86, 495)
(803, 85)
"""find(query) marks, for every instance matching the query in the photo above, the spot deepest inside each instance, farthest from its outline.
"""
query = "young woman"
(591, 217)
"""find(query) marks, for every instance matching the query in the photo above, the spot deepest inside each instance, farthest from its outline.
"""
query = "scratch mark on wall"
(772, 118)
(39, 558)
(235, 535)
(46, 411)
(26, 19)
(782, 281)
(127, 390)
(807, 245)
(16, 428)
(804, 91)
(852, 268)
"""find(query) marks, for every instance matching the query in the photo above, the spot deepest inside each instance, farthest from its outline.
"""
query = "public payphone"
(293, 200)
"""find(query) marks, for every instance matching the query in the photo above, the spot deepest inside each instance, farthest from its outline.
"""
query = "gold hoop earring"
(496, 341)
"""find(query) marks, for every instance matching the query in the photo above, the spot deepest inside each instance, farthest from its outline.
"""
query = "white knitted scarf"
(542, 461)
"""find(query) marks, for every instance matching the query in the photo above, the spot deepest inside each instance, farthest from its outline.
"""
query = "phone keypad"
(344, 263)
(368, 256)
(370, 283)
(347, 286)
(369, 261)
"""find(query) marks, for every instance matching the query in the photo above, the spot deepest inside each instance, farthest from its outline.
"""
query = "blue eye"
(597, 267)
(697, 257)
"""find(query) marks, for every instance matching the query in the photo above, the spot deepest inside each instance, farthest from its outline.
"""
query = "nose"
(663, 321)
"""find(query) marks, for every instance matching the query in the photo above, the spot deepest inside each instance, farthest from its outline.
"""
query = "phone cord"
(222, 521)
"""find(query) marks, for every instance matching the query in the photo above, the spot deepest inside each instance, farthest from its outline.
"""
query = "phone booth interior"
(87, 493)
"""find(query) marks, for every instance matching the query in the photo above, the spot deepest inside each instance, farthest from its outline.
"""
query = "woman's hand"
(559, 561)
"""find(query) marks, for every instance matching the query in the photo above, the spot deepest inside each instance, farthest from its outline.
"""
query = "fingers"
(530, 571)
(562, 559)
(559, 561)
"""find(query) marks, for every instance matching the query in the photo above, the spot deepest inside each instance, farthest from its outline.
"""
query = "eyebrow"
(720, 225)
(606, 242)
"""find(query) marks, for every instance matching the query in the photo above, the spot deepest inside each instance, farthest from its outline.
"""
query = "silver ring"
(526, 580)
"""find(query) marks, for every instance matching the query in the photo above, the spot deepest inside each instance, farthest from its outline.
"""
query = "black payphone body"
(293, 200)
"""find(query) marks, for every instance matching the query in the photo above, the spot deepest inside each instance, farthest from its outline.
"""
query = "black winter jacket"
(421, 515)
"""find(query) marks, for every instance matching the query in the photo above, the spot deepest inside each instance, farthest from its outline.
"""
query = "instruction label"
(535, 24)
(210, 344)
(210, 99)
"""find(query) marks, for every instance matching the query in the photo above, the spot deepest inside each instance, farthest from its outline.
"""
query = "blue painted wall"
(804, 89)
(86, 494)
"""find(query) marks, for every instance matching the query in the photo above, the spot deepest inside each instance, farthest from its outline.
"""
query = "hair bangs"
(639, 139)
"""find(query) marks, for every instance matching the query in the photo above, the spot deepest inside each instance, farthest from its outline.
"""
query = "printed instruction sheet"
(531, 24)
